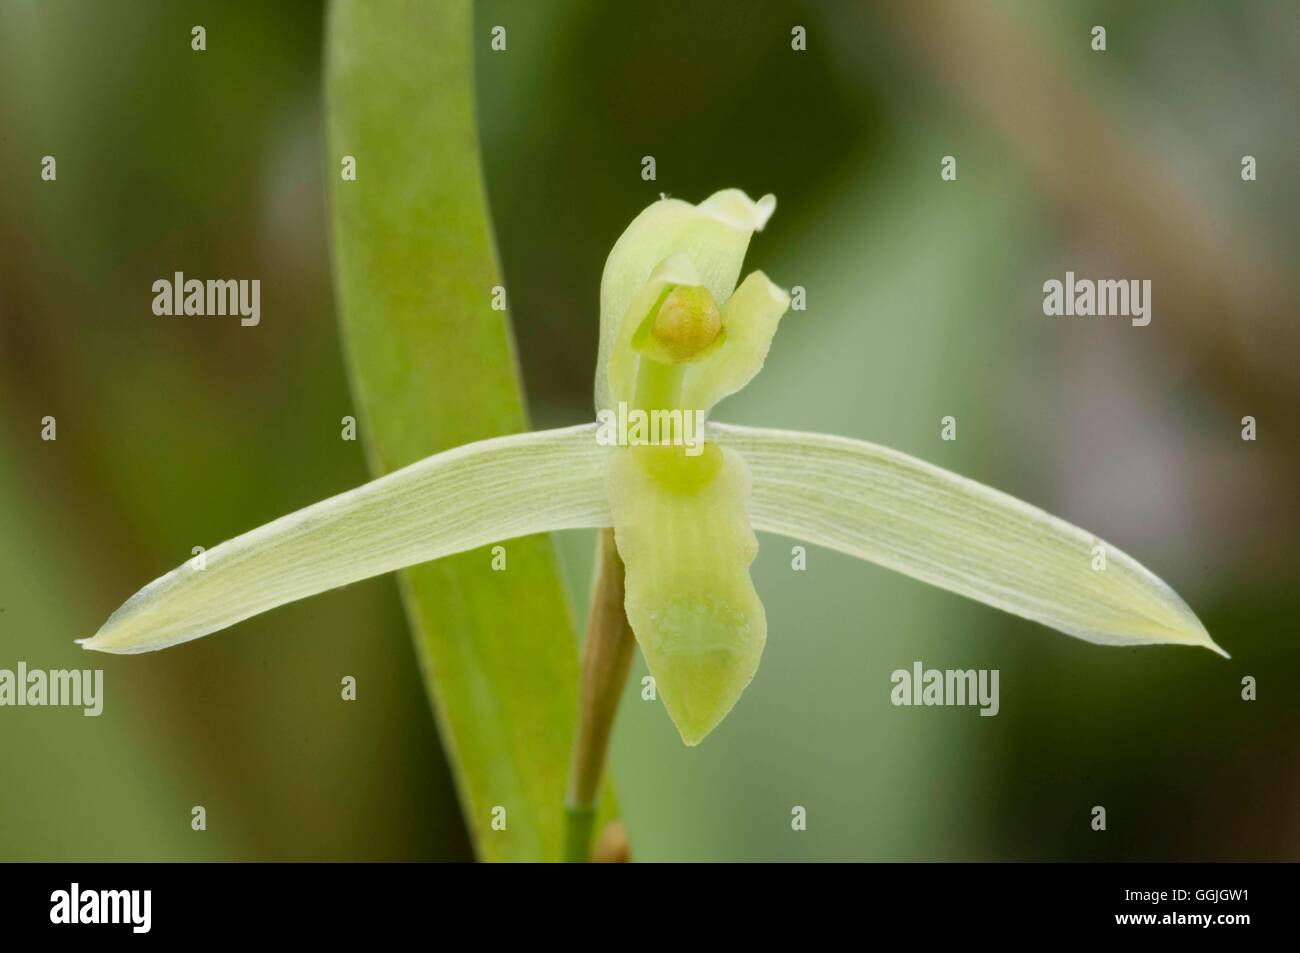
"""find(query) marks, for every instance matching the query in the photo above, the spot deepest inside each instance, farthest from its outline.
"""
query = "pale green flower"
(678, 334)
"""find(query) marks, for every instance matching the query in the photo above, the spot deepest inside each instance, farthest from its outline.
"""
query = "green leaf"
(433, 367)
(892, 509)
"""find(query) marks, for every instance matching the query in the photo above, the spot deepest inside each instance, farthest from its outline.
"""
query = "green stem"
(606, 661)
(578, 824)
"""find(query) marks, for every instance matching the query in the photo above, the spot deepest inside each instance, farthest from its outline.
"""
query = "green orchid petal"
(681, 529)
(892, 509)
(712, 236)
(683, 532)
(749, 322)
(477, 494)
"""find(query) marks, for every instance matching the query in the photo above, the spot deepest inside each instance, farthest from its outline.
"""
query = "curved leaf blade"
(433, 367)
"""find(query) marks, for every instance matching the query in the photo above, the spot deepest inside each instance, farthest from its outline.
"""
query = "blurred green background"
(924, 300)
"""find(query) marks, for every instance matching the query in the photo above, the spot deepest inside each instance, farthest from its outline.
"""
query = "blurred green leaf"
(433, 367)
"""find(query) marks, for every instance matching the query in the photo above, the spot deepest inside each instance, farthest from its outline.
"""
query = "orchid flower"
(677, 334)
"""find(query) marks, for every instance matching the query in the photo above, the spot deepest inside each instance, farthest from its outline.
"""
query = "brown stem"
(606, 660)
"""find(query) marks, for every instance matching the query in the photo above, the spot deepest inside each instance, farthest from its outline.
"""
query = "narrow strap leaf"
(427, 334)
(468, 497)
(892, 509)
